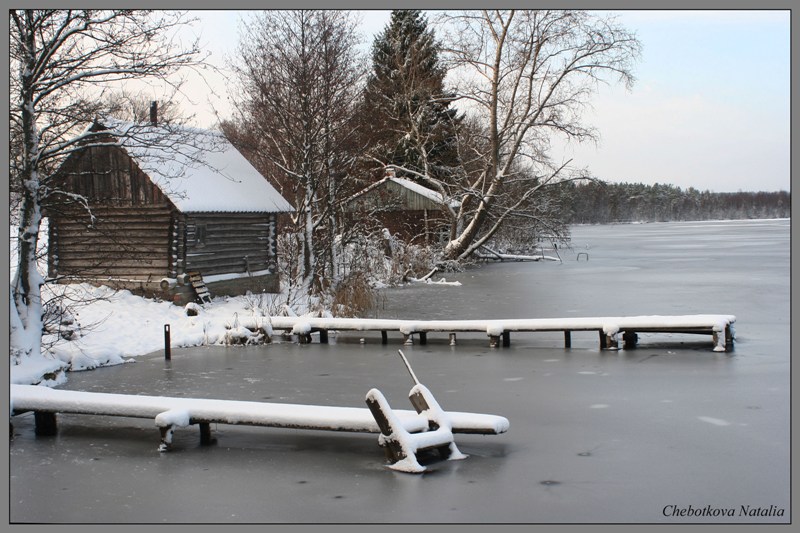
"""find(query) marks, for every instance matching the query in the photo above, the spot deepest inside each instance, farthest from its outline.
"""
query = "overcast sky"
(710, 108)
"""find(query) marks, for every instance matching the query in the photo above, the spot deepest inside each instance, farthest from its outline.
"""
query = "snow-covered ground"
(116, 326)
(112, 327)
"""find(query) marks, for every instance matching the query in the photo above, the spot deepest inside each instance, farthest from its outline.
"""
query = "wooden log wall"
(125, 243)
(138, 234)
(413, 217)
(177, 251)
(107, 175)
(129, 238)
(222, 243)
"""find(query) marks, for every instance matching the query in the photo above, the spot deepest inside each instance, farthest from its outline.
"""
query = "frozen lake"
(651, 435)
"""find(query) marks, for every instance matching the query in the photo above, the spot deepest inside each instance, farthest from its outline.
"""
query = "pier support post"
(166, 438)
(567, 339)
(384, 337)
(205, 433)
(323, 336)
(611, 342)
(45, 423)
(630, 338)
(608, 342)
(506, 339)
(723, 340)
(494, 341)
(423, 338)
(452, 339)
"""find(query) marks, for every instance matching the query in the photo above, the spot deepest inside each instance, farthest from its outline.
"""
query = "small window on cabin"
(200, 236)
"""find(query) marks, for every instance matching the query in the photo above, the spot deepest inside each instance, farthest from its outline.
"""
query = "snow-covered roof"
(421, 190)
(430, 194)
(198, 170)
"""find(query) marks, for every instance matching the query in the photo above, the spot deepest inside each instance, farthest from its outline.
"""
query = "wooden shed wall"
(406, 213)
(417, 227)
(126, 243)
(233, 242)
(130, 234)
(391, 194)
(106, 174)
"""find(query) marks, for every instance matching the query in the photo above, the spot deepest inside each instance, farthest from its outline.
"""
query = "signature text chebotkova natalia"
(722, 512)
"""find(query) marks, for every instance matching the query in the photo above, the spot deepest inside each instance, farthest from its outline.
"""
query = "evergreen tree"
(407, 110)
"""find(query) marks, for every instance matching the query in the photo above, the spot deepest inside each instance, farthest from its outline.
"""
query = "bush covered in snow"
(364, 265)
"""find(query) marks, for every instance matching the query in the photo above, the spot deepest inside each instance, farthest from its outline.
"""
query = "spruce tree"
(407, 109)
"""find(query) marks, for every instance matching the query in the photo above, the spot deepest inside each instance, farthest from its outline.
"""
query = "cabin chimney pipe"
(154, 112)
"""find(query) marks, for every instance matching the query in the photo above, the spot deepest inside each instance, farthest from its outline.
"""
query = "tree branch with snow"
(62, 62)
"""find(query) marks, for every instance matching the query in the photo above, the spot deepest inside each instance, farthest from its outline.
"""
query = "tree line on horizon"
(595, 202)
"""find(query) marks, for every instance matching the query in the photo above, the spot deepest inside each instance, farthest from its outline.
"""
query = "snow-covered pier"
(720, 327)
(404, 433)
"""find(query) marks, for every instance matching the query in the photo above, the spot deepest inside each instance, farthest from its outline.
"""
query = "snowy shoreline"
(118, 326)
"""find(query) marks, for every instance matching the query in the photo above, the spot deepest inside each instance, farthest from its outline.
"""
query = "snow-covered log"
(170, 413)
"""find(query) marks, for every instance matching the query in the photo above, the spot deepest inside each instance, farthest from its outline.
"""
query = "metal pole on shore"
(167, 353)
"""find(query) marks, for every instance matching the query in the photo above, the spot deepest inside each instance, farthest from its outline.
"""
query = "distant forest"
(600, 203)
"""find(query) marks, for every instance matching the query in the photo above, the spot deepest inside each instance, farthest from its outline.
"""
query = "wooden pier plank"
(46, 402)
(607, 327)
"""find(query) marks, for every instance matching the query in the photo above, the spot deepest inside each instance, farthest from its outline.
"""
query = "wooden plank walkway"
(720, 327)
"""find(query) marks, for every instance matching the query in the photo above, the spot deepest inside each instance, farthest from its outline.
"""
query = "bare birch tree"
(299, 79)
(63, 64)
(526, 76)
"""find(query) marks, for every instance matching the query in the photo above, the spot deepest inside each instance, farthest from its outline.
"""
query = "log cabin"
(144, 206)
(410, 211)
